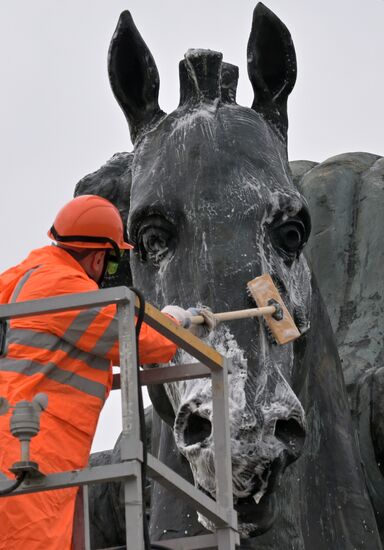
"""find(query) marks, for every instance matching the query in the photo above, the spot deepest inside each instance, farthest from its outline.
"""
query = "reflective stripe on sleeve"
(53, 372)
(107, 340)
(50, 342)
(80, 324)
(21, 283)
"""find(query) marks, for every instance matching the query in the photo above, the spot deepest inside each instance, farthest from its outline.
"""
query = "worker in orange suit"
(68, 356)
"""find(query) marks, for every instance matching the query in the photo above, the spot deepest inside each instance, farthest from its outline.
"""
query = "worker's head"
(91, 229)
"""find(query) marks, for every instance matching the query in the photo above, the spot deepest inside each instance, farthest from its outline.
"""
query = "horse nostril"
(291, 434)
(197, 429)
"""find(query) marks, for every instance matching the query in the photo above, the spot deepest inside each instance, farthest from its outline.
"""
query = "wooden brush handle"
(233, 315)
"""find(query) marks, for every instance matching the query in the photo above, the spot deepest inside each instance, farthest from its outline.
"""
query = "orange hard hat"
(89, 221)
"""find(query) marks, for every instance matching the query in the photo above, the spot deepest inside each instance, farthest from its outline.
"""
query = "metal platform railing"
(211, 363)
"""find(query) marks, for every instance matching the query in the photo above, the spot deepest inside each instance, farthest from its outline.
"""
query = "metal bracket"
(28, 467)
(278, 315)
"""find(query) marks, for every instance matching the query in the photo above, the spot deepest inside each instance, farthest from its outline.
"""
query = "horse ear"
(271, 66)
(133, 76)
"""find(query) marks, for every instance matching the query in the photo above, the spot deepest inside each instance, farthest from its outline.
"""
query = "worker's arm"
(93, 330)
(100, 337)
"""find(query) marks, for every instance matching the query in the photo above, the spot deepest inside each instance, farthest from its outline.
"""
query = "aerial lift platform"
(129, 470)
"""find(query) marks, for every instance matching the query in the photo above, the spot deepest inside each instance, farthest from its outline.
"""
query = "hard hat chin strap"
(84, 239)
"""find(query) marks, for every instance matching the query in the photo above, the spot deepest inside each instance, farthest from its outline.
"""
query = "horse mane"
(205, 78)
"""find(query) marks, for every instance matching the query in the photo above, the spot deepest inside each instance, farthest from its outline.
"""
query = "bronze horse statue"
(346, 199)
(209, 200)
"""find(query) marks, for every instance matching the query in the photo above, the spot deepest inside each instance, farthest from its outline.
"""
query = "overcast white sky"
(59, 120)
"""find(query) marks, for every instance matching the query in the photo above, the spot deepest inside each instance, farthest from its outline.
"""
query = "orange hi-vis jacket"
(68, 356)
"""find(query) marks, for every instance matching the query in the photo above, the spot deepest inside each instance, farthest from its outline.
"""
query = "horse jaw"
(259, 457)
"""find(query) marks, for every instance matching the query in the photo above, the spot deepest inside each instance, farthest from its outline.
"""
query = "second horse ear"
(134, 76)
(271, 66)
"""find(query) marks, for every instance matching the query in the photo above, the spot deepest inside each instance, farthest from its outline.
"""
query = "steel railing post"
(131, 448)
(87, 533)
(222, 440)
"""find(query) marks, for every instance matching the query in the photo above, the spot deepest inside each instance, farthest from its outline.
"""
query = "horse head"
(212, 206)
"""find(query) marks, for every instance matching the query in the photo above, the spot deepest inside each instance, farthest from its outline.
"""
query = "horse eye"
(290, 237)
(154, 240)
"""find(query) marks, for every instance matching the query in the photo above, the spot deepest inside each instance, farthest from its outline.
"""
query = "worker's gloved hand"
(181, 315)
(210, 322)
(184, 318)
